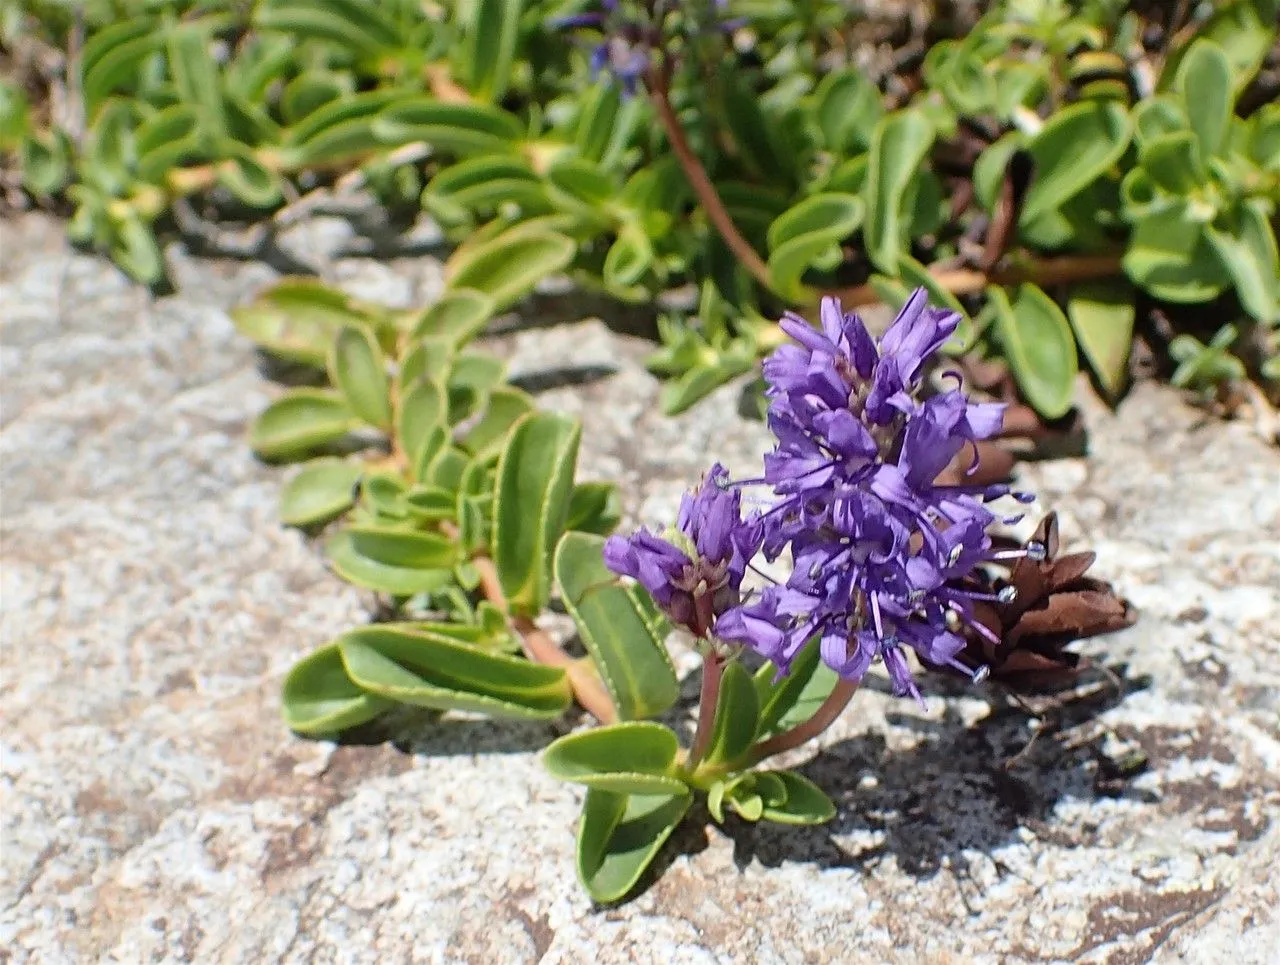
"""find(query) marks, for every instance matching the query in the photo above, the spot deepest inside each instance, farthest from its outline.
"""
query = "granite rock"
(154, 807)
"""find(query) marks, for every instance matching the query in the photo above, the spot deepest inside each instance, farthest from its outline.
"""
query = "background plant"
(1081, 151)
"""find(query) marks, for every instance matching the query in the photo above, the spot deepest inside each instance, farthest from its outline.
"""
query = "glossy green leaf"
(250, 181)
(1173, 162)
(596, 122)
(365, 29)
(594, 508)
(988, 170)
(848, 107)
(422, 420)
(531, 505)
(137, 251)
(308, 92)
(432, 670)
(459, 315)
(321, 123)
(427, 568)
(622, 635)
(504, 408)
(359, 370)
(629, 258)
(899, 144)
(619, 837)
(582, 182)
(195, 74)
(1102, 317)
(46, 163)
(803, 801)
(462, 130)
(507, 268)
(431, 503)
(319, 698)
(737, 717)
(800, 692)
(299, 421)
(321, 491)
(297, 319)
(121, 51)
(1156, 116)
(1246, 246)
(1204, 81)
(809, 235)
(490, 36)
(383, 494)
(1169, 256)
(636, 757)
(1076, 146)
(1039, 346)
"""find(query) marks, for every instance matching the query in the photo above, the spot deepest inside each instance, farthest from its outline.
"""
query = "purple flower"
(693, 573)
(879, 549)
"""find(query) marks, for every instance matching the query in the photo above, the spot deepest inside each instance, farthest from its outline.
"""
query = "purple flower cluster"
(624, 51)
(879, 548)
(695, 571)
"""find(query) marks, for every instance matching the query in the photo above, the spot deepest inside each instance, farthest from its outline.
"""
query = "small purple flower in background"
(625, 51)
(694, 572)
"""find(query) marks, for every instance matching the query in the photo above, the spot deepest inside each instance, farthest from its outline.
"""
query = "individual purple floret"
(876, 544)
(693, 572)
(624, 52)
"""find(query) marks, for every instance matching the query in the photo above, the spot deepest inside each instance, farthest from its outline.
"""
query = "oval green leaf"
(359, 370)
(620, 835)
(507, 268)
(1041, 350)
(1075, 147)
(319, 698)
(323, 490)
(299, 421)
(623, 637)
(637, 757)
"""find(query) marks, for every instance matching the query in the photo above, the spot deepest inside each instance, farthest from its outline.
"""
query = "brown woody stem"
(540, 647)
(706, 192)
(822, 718)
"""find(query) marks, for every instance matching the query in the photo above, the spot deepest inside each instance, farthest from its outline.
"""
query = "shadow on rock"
(962, 788)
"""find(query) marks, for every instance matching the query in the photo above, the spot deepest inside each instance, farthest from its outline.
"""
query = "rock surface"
(155, 809)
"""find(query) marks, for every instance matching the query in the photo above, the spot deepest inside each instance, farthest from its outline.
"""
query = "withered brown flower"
(1055, 605)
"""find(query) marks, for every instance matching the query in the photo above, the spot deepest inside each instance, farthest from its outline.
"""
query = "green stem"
(822, 718)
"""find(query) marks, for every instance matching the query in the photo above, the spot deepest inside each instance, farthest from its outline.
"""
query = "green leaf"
(250, 181)
(319, 698)
(136, 250)
(796, 695)
(507, 267)
(1156, 116)
(598, 118)
(461, 130)
(432, 670)
(1173, 162)
(988, 170)
(196, 76)
(899, 145)
(308, 92)
(504, 409)
(46, 166)
(428, 568)
(1204, 81)
(594, 508)
(624, 639)
(636, 757)
(490, 45)
(1039, 346)
(809, 235)
(422, 422)
(581, 182)
(737, 716)
(1076, 146)
(1244, 243)
(458, 316)
(297, 319)
(619, 837)
(1102, 316)
(531, 505)
(359, 370)
(323, 490)
(299, 421)
(629, 258)
(848, 107)
(1169, 256)
(753, 133)
(113, 58)
(383, 494)
(803, 802)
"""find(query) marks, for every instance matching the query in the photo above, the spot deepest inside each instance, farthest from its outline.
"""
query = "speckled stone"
(155, 809)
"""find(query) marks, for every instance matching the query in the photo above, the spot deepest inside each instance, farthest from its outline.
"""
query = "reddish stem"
(712, 671)
(822, 718)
